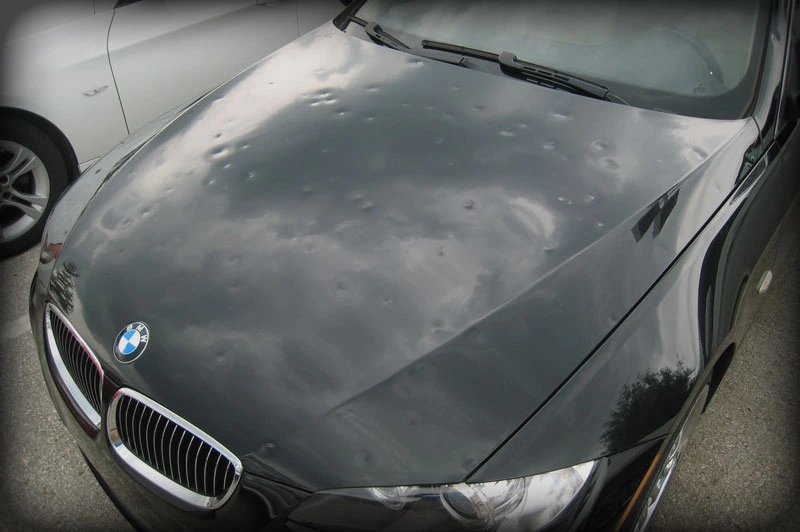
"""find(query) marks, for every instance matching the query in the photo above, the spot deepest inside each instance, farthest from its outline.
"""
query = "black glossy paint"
(768, 104)
(361, 267)
(379, 264)
(648, 368)
(665, 350)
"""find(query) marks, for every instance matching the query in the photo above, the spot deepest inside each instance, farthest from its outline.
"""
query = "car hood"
(360, 267)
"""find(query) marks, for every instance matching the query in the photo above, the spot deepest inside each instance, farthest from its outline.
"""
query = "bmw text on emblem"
(131, 342)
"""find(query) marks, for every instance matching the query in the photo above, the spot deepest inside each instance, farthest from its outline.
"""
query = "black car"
(438, 265)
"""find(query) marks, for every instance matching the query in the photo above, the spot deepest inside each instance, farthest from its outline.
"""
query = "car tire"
(33, 174)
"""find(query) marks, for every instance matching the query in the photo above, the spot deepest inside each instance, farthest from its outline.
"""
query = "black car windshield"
(698, 58)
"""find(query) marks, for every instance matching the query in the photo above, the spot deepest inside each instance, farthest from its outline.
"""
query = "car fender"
(639, 381)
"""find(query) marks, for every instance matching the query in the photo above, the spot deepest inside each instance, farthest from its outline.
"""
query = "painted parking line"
(14, 329)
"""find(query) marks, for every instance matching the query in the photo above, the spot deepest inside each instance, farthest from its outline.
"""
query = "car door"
(164, 52)
(53, 64)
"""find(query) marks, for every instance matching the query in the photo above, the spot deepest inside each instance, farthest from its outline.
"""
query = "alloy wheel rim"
(24, 190)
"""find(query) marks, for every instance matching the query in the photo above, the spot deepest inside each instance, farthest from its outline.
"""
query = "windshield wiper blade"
(556, 79)
(536, 73)
(458, 49)
(381, 36)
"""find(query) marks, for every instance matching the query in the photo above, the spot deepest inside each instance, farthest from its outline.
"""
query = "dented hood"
(360, 267)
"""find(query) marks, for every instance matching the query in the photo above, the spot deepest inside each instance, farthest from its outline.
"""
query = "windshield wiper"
(383, 37)
(509, 64)
(556, 79)
(529, 71)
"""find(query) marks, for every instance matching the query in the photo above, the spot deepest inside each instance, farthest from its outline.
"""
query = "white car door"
(54, 64)
(165, 52)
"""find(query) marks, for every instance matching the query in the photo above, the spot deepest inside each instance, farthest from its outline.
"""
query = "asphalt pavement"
(740, 471)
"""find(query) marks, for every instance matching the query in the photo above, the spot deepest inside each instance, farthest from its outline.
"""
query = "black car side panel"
(634, 387)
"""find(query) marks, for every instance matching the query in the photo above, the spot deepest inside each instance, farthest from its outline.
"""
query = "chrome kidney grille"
(170, 452)
(77, 367)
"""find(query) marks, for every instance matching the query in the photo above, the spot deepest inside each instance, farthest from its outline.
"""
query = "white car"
(77, 77)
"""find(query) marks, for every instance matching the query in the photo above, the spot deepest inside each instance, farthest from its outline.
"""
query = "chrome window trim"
(63, 373)
(151, 475)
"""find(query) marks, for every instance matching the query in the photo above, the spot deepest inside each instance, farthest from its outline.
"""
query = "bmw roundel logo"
(131, 342)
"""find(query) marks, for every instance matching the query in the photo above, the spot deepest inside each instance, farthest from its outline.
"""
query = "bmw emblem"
(131, 342)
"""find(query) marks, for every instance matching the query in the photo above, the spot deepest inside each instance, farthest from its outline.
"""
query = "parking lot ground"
(740, 472)
(44, 483)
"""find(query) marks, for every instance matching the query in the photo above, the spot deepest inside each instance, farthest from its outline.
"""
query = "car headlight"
(526, 503)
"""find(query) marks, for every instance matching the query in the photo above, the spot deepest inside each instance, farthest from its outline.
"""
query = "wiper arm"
(383, 37)
(544, 76)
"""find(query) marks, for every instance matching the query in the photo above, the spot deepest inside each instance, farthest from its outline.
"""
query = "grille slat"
(136, 424)
(205, 468)
(180, 443)
(128, 424)
(88, 368)
(139, 429)
(129, 427)
(158, 442)
(127, 417)
(87, 376)
(216, 468)
(161, 446)
(197, 472)
(227, 472)
(147, 438)
(151, 439)
(124, 428)
(193, 465)
(77, 367)
(169, 452)
(189, 453)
